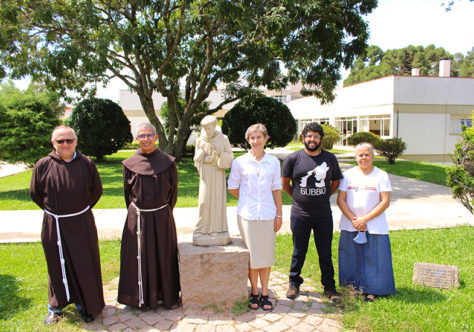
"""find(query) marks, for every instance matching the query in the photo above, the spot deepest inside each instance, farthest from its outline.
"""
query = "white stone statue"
(212, 156)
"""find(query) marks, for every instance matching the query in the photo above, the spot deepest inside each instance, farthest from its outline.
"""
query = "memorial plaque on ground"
(436, 275)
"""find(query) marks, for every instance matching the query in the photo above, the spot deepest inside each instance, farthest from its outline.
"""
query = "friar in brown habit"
(149, 272)
(66, 185)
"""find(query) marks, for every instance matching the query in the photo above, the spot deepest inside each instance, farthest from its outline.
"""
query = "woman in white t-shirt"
(255, 180)
(363, 197)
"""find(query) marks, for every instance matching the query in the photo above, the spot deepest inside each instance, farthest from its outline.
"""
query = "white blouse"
(256, 181)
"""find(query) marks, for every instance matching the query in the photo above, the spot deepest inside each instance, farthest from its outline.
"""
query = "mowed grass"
(24, 288)
(23, 284)
(432, 173)
(414, 307)
(14, 188)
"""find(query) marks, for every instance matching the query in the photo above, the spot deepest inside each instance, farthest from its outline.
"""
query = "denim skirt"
(367, 267)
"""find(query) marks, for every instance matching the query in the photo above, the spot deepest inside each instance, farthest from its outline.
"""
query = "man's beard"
(309, 148)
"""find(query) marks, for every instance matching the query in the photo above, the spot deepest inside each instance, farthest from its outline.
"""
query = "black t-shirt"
(311, 178)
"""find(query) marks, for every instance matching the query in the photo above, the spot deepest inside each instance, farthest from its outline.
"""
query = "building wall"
(426, 112)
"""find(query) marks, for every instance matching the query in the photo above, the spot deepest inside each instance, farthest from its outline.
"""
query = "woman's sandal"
(265, 302)
(370, 298)
(253, 300)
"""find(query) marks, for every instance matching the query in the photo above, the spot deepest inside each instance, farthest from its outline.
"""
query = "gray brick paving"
(305, 313)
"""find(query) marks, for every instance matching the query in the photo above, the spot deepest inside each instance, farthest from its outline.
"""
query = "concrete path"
(414, 204)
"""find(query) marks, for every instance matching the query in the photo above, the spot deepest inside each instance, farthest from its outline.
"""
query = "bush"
(101, 127)
(461, 175)
(27, 120)
(250, 110)
(331, 136)
(390, 148)
(362, 137)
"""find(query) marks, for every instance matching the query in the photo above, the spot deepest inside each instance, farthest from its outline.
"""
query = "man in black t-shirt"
(314, 175)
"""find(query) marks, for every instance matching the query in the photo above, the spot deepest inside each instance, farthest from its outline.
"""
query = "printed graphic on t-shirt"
(319, 174)
(362, 186)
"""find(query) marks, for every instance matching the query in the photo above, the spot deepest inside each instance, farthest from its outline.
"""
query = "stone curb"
(306, 313)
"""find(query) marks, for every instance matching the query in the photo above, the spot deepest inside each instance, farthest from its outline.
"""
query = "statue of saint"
(212, 156)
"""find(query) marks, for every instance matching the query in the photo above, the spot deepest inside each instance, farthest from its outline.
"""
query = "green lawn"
(432, 173)
(24, 291)
(413, 308)
(23, 284)
(14, 189)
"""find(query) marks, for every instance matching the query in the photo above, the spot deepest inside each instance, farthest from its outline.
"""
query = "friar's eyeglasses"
(68, 141)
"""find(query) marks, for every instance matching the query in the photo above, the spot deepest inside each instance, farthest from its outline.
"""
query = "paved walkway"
(305, 313)
(413, 205)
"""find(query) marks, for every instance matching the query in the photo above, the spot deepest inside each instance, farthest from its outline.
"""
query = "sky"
(394, 24)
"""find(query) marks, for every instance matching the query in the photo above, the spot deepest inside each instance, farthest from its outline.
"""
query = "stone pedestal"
(215, 275)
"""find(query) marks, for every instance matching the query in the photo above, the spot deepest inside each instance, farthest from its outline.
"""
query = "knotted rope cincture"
(139, 249)
(60, 245)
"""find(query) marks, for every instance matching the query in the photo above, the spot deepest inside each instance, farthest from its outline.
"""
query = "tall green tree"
(183, 48)
(463, 65)
(376, 63)
(27, 119)
(195, 123)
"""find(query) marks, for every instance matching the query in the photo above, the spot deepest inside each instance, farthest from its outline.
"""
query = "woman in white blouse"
(255, 180)
(363, 197)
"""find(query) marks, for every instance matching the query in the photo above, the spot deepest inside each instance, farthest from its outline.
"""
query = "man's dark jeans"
(322, 228)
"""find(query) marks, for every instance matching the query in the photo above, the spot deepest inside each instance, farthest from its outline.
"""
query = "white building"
(425, 112)
(132, 107)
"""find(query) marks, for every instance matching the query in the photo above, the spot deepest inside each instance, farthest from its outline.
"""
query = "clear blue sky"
(396, 24)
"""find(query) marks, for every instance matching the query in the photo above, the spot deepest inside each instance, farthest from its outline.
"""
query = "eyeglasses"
(68, 140)
(313, 136)
(143, 136)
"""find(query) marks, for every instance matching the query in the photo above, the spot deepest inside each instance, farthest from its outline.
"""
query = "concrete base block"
(436, 275)
(215, 275)
(214, 239)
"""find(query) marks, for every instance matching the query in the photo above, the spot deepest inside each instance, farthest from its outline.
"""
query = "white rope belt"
(139, 249)
(60, 245)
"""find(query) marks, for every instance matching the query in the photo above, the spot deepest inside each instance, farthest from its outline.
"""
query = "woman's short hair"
(365, 145)
(145, 125)
(256, 127)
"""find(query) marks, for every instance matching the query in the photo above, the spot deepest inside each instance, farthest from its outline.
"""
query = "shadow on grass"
(18, 194)
(425, 296)
(10, 302)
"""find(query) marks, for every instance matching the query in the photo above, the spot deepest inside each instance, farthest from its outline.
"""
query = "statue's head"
(208, 124)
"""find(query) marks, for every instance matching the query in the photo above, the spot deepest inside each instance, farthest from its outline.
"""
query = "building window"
(347, 127)
(458, 123)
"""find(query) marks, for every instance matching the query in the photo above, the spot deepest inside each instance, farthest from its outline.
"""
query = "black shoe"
(51, 318)
(293, 291)
(85, 316)
(332, 295)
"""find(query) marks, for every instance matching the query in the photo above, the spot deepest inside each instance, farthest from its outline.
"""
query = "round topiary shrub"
(331, 136)
(276, 117)
(390, 148)
(101, 127)
(363, 137)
